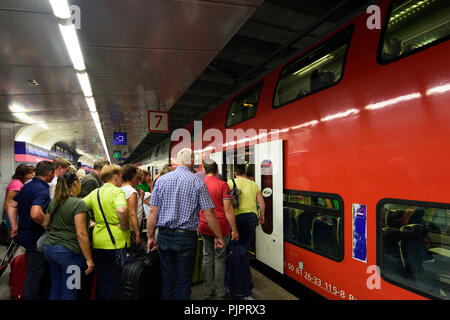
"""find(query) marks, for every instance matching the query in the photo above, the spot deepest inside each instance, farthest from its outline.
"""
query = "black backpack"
(236, 195)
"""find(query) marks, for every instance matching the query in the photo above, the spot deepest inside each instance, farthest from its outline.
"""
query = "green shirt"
(62, 229)
(143, 186)
(111, 198)
(247, 200)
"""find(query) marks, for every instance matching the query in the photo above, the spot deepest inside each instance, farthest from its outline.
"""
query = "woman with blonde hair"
(112, 235)
(68, 239)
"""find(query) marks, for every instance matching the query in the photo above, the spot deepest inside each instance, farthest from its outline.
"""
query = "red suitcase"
(17, 276)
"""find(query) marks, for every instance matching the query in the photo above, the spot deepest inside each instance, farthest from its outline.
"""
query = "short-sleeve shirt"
(52, 186)
(34, 193)
(179, 196)
(62, 229)
(219, 191)
(129, 190)
(247, 200)
(111, 198)
(89, 183)
(14, 185)
(144, 187)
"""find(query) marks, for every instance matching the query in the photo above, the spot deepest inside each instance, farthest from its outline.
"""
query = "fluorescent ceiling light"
(95, 117)
(60, 8)
(15, 107)
(91, 104)
(83, 78)
(24, 118)
(69, 35)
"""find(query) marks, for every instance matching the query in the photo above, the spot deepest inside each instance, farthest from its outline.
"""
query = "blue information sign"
(360, 232)
(120, 138)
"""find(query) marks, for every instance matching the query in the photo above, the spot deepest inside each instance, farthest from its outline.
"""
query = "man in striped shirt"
(175, 205)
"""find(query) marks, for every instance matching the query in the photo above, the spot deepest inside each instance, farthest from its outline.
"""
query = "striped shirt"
(179, 196)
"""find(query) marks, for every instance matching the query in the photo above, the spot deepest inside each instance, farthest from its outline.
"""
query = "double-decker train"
(349, 143)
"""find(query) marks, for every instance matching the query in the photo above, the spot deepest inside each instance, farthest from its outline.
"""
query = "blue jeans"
(36, 266)
(177, 254)
(61, 261)
(246, 224)
(108, 275)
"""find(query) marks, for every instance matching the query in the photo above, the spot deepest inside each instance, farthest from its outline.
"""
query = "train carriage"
(349, 142)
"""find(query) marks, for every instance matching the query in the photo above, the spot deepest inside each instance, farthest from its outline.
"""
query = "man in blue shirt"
(32, 202)
(175, 206)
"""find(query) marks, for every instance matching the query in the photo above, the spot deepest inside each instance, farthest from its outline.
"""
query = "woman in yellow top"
(246, 214)
(114, 205)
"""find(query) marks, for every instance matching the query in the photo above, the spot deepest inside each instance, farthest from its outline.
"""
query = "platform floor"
(264, 288)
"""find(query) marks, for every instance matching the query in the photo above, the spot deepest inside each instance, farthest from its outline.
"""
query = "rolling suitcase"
(17, 276)
(141, 278)
(8, 256)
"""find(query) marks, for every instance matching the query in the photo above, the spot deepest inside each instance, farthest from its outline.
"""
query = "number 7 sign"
(158, 121)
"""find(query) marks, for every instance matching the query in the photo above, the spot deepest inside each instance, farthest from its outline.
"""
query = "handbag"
(122, 256)
(43, 238)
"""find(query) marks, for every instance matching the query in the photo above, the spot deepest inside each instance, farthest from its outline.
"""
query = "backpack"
(236, 195)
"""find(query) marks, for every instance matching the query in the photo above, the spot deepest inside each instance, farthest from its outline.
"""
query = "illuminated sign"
(120, 138)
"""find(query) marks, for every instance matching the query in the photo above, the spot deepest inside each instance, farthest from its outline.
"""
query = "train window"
(243, 107)
(314, 221)
(413, 25)
(414, 246)
(319, 69)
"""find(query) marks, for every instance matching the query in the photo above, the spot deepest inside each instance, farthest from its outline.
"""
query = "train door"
(265, 161)
(269, 177)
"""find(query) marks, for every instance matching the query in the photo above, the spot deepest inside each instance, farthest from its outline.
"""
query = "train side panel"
(387, 137)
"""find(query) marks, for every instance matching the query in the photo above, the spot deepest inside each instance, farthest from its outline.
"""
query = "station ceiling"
(180, 56)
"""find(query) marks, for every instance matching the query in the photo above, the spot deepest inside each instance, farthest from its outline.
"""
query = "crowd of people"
(90, 221)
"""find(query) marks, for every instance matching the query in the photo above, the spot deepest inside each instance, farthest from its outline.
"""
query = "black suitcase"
(141, 278)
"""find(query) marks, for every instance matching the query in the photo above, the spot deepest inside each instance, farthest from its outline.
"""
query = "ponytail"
(62, 189)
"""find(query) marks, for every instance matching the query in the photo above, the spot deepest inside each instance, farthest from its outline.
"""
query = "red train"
(349, 143)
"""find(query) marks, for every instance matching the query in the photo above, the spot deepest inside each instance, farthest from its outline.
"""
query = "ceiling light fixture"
(95, 117)
(69, 35)
(85, 84)
(91, 104)
(60, 8)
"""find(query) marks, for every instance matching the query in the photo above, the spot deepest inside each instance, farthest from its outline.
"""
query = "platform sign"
(120, 138)
(117, 154)
(359, 232)
(158, 121)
